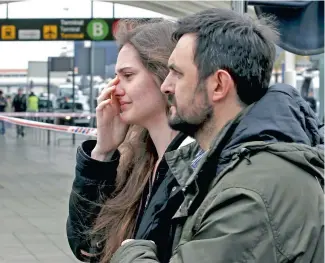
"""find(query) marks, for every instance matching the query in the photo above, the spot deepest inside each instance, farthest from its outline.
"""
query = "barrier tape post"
(48, 94)
(73, 96)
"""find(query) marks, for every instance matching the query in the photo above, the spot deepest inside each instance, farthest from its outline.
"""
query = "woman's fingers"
(106, 94)
(114, 81)
(115, 101)
(103, 104)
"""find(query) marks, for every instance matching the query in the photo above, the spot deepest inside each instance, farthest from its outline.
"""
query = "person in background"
(3, 105)
(9, 103)
(32, 103)
(9, 108)
(19, 105)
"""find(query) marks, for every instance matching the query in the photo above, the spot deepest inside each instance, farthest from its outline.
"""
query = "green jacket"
(265, 205)
(32, 103)
(264, 209)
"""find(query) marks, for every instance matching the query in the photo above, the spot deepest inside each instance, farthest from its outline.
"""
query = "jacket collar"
(186, 162)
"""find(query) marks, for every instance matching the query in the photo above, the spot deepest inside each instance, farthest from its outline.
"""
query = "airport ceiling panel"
(176, 8)
(169, 8)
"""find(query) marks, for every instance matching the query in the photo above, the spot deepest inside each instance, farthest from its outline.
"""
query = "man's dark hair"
(242, 46)
(1, 92)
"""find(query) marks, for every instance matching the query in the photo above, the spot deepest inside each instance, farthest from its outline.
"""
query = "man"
(255, 194)
(32, 103)
(19, 105)
(3, 105)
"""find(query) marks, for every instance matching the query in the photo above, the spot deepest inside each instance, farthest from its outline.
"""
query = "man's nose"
(167, 86)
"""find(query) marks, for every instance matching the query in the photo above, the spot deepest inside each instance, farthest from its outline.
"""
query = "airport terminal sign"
(57, 29)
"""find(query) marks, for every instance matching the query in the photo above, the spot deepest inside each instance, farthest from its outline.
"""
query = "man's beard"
(193, 123)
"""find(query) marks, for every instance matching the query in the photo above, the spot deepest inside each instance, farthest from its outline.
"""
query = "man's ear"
(220, 83)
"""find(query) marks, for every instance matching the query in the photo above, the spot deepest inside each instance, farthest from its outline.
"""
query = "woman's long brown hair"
(117, 218)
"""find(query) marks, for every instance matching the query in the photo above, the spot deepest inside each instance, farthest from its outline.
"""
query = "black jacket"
(94, 179)
(19, 103)
(3, 103)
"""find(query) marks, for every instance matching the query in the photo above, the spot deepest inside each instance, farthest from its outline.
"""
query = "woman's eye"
(128, 75)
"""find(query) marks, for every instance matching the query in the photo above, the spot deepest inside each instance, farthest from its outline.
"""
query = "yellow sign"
(50, 32)
(8, 32)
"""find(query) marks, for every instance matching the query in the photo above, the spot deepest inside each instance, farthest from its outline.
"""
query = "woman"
(134, 182)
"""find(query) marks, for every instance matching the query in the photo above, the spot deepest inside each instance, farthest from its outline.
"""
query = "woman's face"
(139, 96)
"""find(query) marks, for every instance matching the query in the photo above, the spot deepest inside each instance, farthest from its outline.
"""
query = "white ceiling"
(168, 8)
(176, 8)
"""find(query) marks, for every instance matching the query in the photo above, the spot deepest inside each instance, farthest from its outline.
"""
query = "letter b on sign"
(97, 29)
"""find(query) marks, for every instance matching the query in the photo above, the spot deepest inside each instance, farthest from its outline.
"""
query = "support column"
(92, 64)
(290, 69)
(7, 10)
(321, 87)
(238, 6)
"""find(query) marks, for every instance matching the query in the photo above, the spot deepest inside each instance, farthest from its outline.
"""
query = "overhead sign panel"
(61, 64)
(57, 29)
(29, 34)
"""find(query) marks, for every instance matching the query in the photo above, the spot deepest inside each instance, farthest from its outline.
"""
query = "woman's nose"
(119, 91)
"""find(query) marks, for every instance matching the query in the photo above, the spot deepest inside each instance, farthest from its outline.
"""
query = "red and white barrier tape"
(52, 127)
(46, 114)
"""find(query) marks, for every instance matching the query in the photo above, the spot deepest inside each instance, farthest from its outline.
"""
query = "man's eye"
(176, 73)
